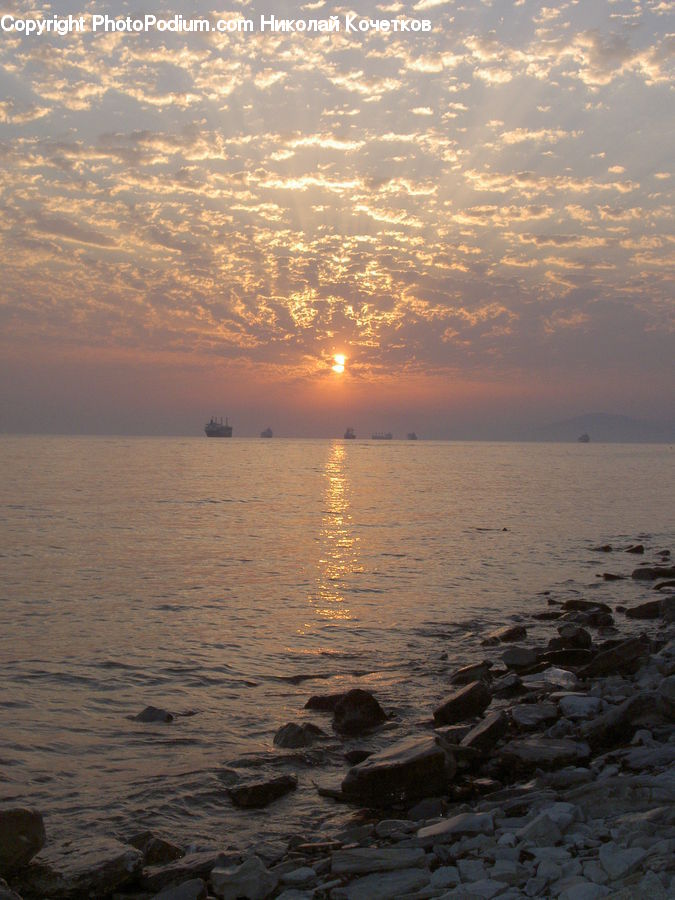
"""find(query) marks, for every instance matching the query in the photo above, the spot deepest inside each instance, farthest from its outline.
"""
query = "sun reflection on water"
(339, 546)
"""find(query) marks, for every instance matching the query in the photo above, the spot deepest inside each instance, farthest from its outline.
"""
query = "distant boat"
(267, 433)
(215, 428)
(350, 434)
(412, 436)
(381, 436)
(583, 439)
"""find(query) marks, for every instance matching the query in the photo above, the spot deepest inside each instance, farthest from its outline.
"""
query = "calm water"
(233, 579)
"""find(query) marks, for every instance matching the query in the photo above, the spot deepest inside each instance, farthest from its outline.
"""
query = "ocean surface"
(229, 580)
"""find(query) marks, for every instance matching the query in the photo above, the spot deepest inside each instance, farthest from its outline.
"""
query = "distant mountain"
(603, 427)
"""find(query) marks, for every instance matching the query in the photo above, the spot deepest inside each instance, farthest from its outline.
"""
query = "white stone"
(619, 861)
(251, 880)
(362, 860)
(580, 706)
(385, 885)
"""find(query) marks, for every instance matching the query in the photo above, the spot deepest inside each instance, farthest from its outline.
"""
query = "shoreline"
(498, 795)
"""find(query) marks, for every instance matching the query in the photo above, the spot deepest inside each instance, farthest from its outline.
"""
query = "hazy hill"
(605, 427)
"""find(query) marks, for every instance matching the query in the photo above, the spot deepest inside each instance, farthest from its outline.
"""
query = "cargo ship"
(350, 434)
(215, 428)
(267, 433)
(381, 436)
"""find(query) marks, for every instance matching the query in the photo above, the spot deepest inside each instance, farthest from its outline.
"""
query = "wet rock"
(467, 674)
(576, 604)
(667, 697)
(356, 712)
(385, 885)
(251, 880)
(464, 703)
(603, 548)
(257, 794)
(636, 548)
(22, 835)
(649, 610)
(153, 714)
(486, 734)
(575, 636)
(429, 808)
(549, 616)
(651, 573)
(509, 686)
(610, 576)
(194, 889)
(410, 769)
(449, 830)
(6, 893)
(294, 735)
(324, 702)
(354, 757)
(363, 860)
(571, 657)
(668, 608)
(505, 635)
(452, 734)
(624, 658)
(190, 867)
(544, 753)
(552, 676)
(96, 867)
(520, 657)
(595, 618)
(156, 851)
(617, 726)
(531, 716)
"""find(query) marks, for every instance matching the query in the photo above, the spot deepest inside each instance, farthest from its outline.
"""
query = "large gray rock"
(617, 725)
(385, 885)
(156, 851)
(449, 830)
(356, 712)
(580, 706)
(486, 734)
(651, 573)
(464, 703)
(649, 610)
(195, 889)
(541, 831)
(22, 835)
(191, 867)
(531, 716)
(520, 657)
(294, 735)
(410, 769)
(668, 608)
(251, 880)
(622, 659)
(476, 672)
(362, 860)
(575, 636)
(96, 867)
(257, 794)
(620, 861)
(505, 635)
(544, 753)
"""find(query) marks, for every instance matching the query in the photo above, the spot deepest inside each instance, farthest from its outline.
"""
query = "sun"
(339, 366)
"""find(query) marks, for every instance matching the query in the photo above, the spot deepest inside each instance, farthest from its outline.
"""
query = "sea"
(227, 581)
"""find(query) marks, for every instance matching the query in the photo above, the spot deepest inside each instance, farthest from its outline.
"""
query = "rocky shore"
(546, 771)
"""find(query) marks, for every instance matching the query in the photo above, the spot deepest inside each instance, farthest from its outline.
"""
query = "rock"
(520, 657)
(610, 576)
(476, 672)
(580, 706)
(195, 889)
(363, 860)
(298, 877)
(649, 610)
(585, 890)
(548, 616)
(156, 851)
(429, 808)
(153, 714)
(541, 831)
(619, 861)
(192, 866)
(444, 877)
(257, 794)
(575, 636)
(617, 725)
(668, 608)
(544, 753)
(505, 635)
(95, 867)
(356, 712)
(353, 757)
(576, 604)
(22, 835)
(452, 734)
(651, 573)
(603, 548)
(6, 893)
(571, 657)
(449, 830)
(623, 658)
(636, 548)
(410, 769)
(666, 698)
(293, 735)
(250, 880)
(530, 716)
(324, 702)
(508, 686)
(486, 734)
(484, 889)
(385, 885)
(464, 703)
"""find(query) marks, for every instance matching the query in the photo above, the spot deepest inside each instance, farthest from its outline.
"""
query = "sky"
(478, 217)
